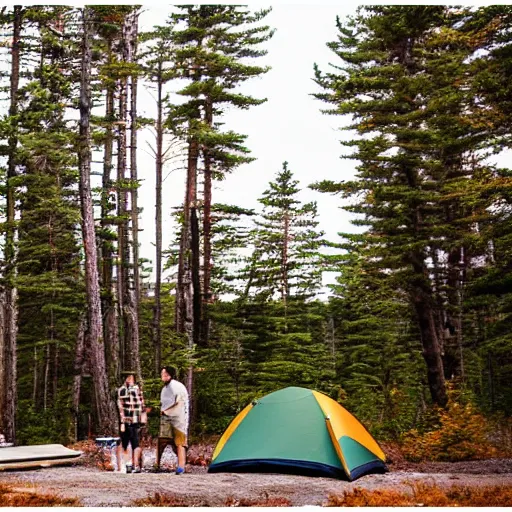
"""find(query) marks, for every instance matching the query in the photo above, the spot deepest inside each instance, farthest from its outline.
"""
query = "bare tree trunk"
(123, 251)
(185, 310)
(2, 353)
(196, 282)
(188, 249)
(133, 166)
(35, 383)
(189, 257)
(103, 401)
(284, 259)
(135, 294)
(284, 268)
(127, 311)
(207, 233)
(77, 373)
(422, 301)
(8, 424)
(111, 328)
(46, 376)
(455, 284)
(157, 317)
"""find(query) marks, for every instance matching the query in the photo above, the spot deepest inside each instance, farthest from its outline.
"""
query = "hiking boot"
(129, 468)
(180, 471)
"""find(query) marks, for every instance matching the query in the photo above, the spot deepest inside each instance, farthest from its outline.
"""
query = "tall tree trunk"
(423, 302)
(284, 268)
(188, 252)
(185, 310)
(123, 251)
(196, 281)
(455, 286)
(109, 309)
(134, 295)
(127, 311)
(77, 374)
(157, 317)
(207, 232)
(2, 354)
(104, 403)
(46, 376)
(8, 411)
(431, 351)
(35, 382)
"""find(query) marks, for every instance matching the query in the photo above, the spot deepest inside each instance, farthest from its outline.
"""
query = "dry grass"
(168, 500)
(93, 455)
(428, 496)
(171, 500)
(16, 497)
(260, 502)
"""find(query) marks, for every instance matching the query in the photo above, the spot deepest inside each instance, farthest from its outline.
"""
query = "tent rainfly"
(299, 431)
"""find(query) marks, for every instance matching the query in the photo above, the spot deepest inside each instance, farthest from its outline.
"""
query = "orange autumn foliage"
(426, 495)
(460, 433)
(12, 497)
(94, 456)
(167, 500)
(171, 500)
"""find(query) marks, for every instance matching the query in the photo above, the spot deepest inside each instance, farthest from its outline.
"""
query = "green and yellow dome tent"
(300, 431)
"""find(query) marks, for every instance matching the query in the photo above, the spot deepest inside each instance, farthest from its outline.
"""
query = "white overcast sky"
(289, 126)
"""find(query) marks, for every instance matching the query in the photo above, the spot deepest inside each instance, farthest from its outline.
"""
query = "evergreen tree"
(211, 50)
(231, 234)
(404, 81)
(286, 258)
(286, 342)
(103, 402)
(48, 262)
(8, 401)
(378, 357)
(158, 69)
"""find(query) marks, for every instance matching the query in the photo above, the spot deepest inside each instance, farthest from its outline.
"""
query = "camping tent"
(297, 430)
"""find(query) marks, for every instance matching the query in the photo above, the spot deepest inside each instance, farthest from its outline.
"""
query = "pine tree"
(286, 258)
(231, 234)
(108, 24)
(48, 261)
(378, 357)
(103, 402)
(404, 81)
(157, 56)
(8, 347)
(210, 50)
(286, 341)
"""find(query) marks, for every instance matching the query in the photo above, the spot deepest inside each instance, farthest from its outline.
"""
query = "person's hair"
(126, 374)
(170, 370)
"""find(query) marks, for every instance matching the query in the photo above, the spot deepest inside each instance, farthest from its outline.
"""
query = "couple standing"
(173, 423)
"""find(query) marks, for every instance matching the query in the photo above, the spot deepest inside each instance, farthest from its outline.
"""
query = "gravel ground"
(96, 488)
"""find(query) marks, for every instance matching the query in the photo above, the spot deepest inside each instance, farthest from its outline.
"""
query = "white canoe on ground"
(41, 455)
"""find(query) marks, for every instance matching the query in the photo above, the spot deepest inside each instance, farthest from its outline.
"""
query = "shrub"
(460, 433)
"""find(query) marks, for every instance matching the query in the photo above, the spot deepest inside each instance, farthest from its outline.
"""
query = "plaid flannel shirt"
(130, 403)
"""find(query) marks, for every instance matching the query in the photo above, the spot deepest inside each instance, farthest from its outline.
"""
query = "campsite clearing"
(96, 488)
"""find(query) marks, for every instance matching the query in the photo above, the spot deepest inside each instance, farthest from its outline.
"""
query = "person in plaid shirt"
(130, 403)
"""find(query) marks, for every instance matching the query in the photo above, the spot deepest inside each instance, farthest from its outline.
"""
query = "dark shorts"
(130, 436)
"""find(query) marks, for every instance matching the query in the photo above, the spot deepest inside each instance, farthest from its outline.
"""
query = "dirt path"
(96, 488)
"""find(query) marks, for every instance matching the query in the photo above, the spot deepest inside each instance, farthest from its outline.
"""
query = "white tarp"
(37, 455)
